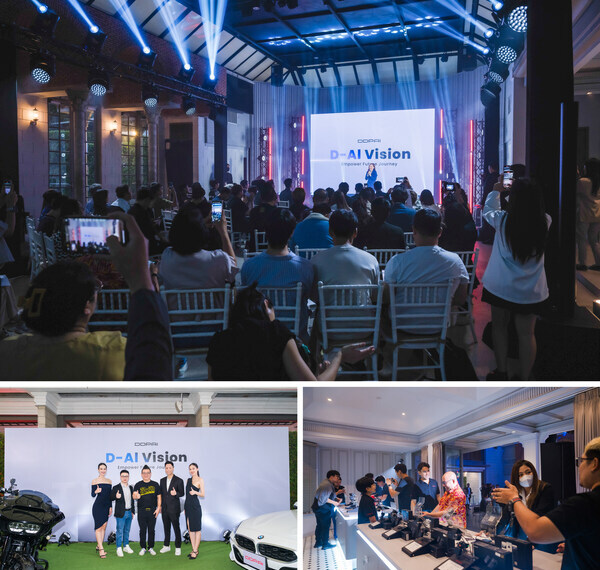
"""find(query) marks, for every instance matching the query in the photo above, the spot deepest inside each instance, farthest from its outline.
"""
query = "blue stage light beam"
(123, 9)
(452, 33)
(213, 13)
(455, 7)
(41, 8)
(92, 27)
(164, 9)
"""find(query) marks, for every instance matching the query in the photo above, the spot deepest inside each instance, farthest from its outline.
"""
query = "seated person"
(428, 262)
(378, 188)
(239, 209)
(47, 199)
(427, 201)
(401, 215)
(123, 198)
(142, 212)
(265, 349)
(367, 512)
(198, 200)
(100, 200)
(89, 206)
(186, 264)
(48, 222)
(313, 231)
(258, 216)
(377, 233)
(361, 205)
(339, 201)
(297, 206)
(576, 520)
(286, 193)
(460, 233)
(453, 498)
(382, 491)
(278, 267)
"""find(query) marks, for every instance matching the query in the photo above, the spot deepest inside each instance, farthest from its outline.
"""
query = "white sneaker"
(128, 549)
(178, 552)
(151, 551)
(120, 552)
(165, 549)
(142, 552)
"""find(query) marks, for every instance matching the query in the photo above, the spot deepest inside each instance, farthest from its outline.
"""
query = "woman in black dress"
(102, 508)
(194, 489)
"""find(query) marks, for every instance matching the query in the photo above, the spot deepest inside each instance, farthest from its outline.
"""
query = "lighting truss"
(264, 156)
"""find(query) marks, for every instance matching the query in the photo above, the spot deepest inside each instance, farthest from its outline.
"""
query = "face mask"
(526, 481)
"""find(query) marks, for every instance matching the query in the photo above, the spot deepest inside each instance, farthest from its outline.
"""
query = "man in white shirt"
(124, 511)
(123, 198)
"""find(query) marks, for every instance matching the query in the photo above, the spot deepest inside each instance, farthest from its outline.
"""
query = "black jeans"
(323, 515)
(171, 519)
(147, 524)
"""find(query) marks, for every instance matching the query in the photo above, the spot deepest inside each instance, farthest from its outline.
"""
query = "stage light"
(489, 93)
(168, 16)
(263, 158)
(485, 51)
(497, 5)
(213, 14)
(498, 72)
(295, 149)
(444, 58)
(210, 82)
(122, 9)
(489, 32)
(506, 54)
(94, 29)
(98, 82)
(186, 72)
(146, 58)
(42, 8)
(43, 67)
(189, 106)
(149, 96)
(212, 76)
(45, 22)
(94, 41)
(79, 9)
(517, 19)
(64, 539)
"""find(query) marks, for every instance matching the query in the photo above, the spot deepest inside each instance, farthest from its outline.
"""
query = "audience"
(460, 233)
(377, 187)
(7, 225)
(278, 267)
(401, 215)
(339, 201)
(286, 193)
(89, 207)
(239, 209)
(297, 206)
(588, 214)
(100, 200)
(123, 198)
(266, 348)
(47, 223)
(258, 216)
(142, 212)
(47, 199)
(514, 282)
(427, 201)
(313, 231)
(377, 232)
(361, 205)
(198, 200)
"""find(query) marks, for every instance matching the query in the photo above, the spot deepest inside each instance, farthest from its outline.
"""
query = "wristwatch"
(511, 504)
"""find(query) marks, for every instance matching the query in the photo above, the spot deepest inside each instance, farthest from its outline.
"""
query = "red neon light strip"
(270, 164)
(302, 130)
(471, 166)
(441, 169)
(302, 167)
(441, 123)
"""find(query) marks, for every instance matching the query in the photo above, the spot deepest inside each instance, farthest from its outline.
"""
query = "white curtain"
(586, 412)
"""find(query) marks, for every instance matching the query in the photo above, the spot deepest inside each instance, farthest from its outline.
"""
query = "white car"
(267, 542)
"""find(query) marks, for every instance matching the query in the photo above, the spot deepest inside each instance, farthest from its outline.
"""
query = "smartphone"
(448, 186)
(88, 235)
(217, 211)
(507, 178)
(399, 179)
(7, 187)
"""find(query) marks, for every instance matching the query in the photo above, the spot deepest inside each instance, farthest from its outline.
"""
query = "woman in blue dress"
(102, 508)
(194, 489)
(371, 175)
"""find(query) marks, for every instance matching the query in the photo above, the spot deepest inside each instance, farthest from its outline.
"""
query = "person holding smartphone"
(8, 203)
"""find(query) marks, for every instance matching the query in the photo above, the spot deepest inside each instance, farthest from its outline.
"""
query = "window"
(134, 150)
(59, 146)
(90, 148)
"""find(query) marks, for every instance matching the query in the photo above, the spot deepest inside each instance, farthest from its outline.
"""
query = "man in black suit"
(124, 511)
(171, 489)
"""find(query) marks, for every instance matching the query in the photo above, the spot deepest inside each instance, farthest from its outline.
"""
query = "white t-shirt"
(426, 264)
(506, 277)
(200, 270)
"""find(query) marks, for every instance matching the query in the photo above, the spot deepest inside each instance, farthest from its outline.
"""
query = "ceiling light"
(186, 72)
(517, 19)
(45, 22)
(146, 58)
(98, 83)
(150, 96)
(497, 5)
(189, 106)
(489, 32)
(43, 67)
(506, 54)
(329, 400)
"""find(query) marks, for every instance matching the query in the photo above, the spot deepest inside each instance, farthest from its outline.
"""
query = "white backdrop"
(343, 144)
(245, 470)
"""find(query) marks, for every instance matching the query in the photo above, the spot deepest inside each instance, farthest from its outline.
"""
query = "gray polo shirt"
(324, 491)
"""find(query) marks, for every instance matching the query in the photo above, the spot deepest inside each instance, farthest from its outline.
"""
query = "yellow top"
(89, 356)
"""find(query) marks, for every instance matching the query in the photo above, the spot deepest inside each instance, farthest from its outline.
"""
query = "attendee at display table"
(425, 487)
(323, 507)
(382, 492)
(453, 500)
(367, 512)
(404, 488)
(576, 520)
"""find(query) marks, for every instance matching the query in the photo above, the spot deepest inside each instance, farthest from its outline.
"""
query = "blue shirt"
(312, 232)
(428, 490)
(380, 491)
(282, 271)
(402, 216)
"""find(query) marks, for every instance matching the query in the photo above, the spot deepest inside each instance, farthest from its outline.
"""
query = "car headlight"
(16, 527)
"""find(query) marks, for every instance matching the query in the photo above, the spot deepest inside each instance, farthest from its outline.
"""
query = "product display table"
(346, 531)
(373, 552)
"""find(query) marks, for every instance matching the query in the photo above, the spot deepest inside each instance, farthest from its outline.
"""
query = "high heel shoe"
(195, 552)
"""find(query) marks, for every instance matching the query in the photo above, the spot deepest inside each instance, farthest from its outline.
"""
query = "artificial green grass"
(83, 555)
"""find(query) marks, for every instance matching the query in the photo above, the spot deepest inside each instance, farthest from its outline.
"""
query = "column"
(220, 123)
(202, 402)
(78, 100)
(203, 416)
(153, 115)
(47, 405)
(552, 139)
(531, 449)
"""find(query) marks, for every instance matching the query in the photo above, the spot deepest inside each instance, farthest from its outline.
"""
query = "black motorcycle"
(26, 522)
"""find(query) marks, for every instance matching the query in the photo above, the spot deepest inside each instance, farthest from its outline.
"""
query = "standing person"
(514, 282)
(588, 214)
(323, 505)
(171, 489)
(576, 520)
(228, 176)
(147, 493)
(453, 500)
(468, 494)
(194, 488)
(425, 487)
(404, 487)
(122, 494)
(102, 508)
(381, 491)
(367, 512)
(371, 175)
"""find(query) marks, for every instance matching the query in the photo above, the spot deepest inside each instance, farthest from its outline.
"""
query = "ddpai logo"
(252, 560)
(368, 140)
(145, 444)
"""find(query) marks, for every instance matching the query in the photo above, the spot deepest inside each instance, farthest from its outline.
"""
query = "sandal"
(195, 553)
(101, 553)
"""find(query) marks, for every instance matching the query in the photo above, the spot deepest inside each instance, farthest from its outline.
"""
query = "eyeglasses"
(578, 460)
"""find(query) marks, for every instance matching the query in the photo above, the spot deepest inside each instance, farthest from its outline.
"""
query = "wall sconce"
(113, 131)
(35, 117)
